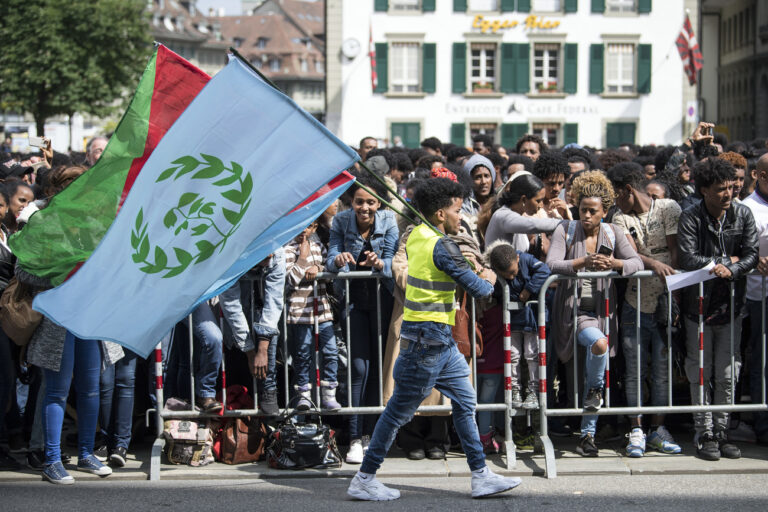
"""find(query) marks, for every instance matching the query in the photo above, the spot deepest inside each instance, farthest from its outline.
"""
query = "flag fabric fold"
(59, 238)
(689, 51)
(240, 172)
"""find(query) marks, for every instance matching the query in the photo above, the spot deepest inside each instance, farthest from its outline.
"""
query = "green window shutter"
(381, 5)
(570, 68)
(428, 62)
(596, 68)
(571, 5)
(381, 67)
(570, 133)
(459, 78)
(598, 5)
(643, 68)
(508, 59)
(427, 5)
(507, 5)
(618, 133)
(459, 5)
(408, 132)
(458, 134)
(524, 5)
(644, 6)
(523, 68)
(510, 133)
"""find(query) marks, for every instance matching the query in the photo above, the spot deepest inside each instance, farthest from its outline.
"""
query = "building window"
(405, 67)
(238, 42)
(620, 6)
(620, 68)
(547, 5)
(489, 129)
(274, 64)
(549, 132)
(303, 64)
(483, 67)
(319, 67)
(546, 67)
(261, 43)
(405, 5)
(256, 63)
(483, 5)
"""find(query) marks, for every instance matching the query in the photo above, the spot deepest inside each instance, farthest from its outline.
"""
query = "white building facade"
(596, 72)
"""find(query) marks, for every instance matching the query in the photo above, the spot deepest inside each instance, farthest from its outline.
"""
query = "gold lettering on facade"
(530, 23)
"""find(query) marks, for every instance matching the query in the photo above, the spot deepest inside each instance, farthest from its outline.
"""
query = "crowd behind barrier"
(579, 239)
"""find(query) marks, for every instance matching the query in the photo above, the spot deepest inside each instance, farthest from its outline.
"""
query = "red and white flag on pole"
(689, 50)
(372, 55)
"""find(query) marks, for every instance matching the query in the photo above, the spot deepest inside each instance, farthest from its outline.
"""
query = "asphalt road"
(680, 493)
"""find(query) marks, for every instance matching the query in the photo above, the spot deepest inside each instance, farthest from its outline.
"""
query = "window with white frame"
(547, 131)
(547, 6)
(483, 5)
(303, 64)
(483, 67)
(404, 67)
(483, 129)
(405, 5)
(274, 64)
(620, 6)
(546, 67)
(620, 68)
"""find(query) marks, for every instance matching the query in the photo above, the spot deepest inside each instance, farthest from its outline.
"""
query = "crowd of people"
(528, 212)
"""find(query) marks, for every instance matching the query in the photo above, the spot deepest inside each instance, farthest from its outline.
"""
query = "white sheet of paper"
(677, 281)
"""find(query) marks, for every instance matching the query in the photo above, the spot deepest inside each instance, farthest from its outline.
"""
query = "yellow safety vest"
(430, 292)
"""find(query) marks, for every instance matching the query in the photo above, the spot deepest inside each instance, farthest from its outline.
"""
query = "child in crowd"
(304, 257)
(525, 276)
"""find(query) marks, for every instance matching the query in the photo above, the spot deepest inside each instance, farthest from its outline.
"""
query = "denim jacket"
(346, 238)
(272, 285)
(530, 276)
(448, 258)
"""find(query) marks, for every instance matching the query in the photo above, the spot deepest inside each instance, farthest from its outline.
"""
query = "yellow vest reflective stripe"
(430, 292)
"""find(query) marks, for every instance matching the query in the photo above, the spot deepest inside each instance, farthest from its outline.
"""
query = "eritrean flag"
(234, 170)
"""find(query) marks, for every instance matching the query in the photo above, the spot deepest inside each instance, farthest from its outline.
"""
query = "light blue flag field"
(220, 192)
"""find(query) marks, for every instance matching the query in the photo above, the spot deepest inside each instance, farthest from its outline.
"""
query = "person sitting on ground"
(588, 244)
(652, 226)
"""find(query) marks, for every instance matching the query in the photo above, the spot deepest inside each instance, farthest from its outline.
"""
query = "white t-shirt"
(760, 211)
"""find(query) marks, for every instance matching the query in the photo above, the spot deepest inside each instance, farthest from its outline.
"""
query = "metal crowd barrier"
(550, 465)
(162, 414)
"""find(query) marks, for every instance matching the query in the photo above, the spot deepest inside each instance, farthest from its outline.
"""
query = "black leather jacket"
(699, 241)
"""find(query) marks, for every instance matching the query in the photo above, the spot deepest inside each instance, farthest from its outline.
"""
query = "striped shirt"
(299, 294)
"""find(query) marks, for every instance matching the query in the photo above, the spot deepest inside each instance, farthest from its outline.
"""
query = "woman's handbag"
(461, 332)
(17, 317)
(303, 444)
(240, 440)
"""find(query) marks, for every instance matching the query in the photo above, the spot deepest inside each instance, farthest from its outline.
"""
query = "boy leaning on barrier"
(652, 228)
(715, 230)
(757, 202)
(429, 357)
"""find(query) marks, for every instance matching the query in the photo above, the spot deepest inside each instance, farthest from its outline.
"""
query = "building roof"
(181, 21)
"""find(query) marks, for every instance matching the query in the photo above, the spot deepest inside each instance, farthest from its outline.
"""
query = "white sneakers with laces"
(487, 483)
(371, 489)
(355, 453)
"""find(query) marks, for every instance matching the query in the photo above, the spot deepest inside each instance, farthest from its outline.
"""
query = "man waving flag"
(241, 171)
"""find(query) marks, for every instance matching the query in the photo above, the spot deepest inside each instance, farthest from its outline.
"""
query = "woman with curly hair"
(582, 246)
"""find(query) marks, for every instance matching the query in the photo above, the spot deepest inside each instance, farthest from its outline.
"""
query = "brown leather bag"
(242, 440)
(461, 332)
(17, 317)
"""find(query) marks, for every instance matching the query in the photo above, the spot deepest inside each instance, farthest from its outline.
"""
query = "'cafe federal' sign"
(531, 22)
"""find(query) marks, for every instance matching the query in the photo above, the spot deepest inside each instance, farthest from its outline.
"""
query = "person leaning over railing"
(364, 238)
(715, 230)
(588, 245)
(652, 226)
(758, 203)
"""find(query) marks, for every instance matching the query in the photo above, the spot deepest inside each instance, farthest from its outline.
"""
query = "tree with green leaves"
(65, 56)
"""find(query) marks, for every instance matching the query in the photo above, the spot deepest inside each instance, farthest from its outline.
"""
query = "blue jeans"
(594, 372)
(83, 359)
(756, 374)
(418, 369)
(487, 386)
(117, 387)
(302, 343)
(651, 344)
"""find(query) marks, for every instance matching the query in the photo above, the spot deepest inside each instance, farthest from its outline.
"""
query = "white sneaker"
(366, 440)
(371, 490)
(355, 453)
(490, 483)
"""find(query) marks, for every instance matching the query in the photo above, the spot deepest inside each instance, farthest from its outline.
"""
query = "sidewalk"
(611, 461)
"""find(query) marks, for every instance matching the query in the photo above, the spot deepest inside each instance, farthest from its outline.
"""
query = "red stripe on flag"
(336, 182)
(177, 82)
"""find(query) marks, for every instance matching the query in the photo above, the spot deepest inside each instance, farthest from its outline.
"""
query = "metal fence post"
(509, 443)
